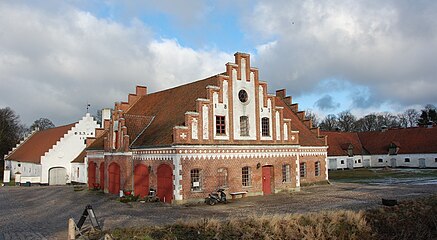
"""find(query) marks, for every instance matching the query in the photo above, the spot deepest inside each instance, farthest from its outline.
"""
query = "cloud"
(52, 63)
(326, 103)
(389, 47)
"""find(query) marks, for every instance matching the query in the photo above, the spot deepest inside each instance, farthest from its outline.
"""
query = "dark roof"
(339, 142)
(99, 143)
(168, 110)
(38, 144)
(306, 136)
(409, 140)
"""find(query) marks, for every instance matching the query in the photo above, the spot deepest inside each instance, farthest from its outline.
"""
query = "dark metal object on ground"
(88, 212)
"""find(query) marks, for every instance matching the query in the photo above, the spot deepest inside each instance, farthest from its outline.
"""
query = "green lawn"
(363, 174)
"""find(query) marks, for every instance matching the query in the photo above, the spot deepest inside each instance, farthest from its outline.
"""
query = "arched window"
(222, 177)
(244, 126)
(196, 179)
(246, 176)
(265, 127)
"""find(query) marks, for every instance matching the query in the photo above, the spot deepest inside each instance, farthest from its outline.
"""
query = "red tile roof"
(38, 144)
(339, 143)
(306, 136)
(409, 140)
(168, 108)
(99, 143)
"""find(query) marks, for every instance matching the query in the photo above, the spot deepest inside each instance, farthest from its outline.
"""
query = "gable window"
(242, 95)
(195, 175)
(220, 125)
(407, 159)
(222, 177)
(317, 168)
(380, 160)
(244, 126)
(245, 176)
(303, 169)
(286, 173)
(265, 127)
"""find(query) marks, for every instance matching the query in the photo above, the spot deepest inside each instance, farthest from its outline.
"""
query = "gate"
(350, 163)
(422, 163)
(165, 183)
(267, 175)
(114, 178)
(91, 174)
(57, 176)
(141, 180)
(393, 162)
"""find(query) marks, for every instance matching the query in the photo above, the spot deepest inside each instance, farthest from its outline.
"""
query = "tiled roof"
(136, 124)
(99, 143)
(409, 140)
(339, 143)
(38, 144)
(80, 158)
(168, 108)
(306, 137)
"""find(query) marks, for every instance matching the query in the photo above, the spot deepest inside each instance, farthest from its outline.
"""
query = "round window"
(242, 95)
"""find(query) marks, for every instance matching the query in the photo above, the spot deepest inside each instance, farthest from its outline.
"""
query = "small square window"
(435, 160)
(342, 162)
(359, 160)
(380, 160)
(407, 159)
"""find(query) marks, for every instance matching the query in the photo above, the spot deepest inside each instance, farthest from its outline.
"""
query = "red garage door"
(114, 178)
(165, 183)
(141, 180)
(102, 175)
(91, 174)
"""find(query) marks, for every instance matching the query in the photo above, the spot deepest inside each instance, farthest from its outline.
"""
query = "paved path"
(43, 212)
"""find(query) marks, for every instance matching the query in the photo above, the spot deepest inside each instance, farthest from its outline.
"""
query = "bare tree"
(346, 121)
(409, 118)
(313, 116)
(329, 123)
(42, 124)
(367, 123)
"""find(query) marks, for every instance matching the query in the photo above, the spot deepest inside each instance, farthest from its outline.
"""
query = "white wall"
(430, 160)
(26, 169)
(68, 148)
(79, 172)
(358, 161)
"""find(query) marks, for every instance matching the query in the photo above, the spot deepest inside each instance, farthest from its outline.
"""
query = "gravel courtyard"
(42, 212)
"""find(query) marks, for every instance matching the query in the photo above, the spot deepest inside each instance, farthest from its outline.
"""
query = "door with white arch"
(57, 176)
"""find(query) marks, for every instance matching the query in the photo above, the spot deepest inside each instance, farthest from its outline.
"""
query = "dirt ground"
(42, 212)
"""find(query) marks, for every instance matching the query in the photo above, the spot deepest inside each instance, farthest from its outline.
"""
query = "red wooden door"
(102, 175)
(91, 174)
(114, 178)
(267, 179)
(165, 183)
(141, 180)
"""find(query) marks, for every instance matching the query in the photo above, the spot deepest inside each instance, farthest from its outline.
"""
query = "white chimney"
(106, 114)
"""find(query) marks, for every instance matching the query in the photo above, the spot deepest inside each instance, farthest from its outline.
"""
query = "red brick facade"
(178, 127)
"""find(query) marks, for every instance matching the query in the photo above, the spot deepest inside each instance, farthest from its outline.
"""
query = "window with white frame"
(265, 126)
(220, 127)
(380, 160)
(407, 159)
(246, 176)
(244, 126)
(196, 183)
(317, 168)
(286, 173)
(303, 169)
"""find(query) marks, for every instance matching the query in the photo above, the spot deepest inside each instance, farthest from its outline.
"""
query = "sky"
(360, 55)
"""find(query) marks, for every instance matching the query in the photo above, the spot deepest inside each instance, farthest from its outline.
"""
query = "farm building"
(404, 147)
(45, 156)
(224, 131)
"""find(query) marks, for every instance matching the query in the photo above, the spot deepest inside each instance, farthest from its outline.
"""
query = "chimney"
(383, 128)
(106, 114)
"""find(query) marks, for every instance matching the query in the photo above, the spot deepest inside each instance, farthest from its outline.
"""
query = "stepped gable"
(409, 140)
(168, 108)
(339, 142)
(38, 144)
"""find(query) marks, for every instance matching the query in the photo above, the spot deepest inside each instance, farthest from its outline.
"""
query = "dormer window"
(350, 150)
(392, 149)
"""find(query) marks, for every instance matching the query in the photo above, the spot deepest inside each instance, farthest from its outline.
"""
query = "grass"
(364, 174)
(11, 183)
(410, 220)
